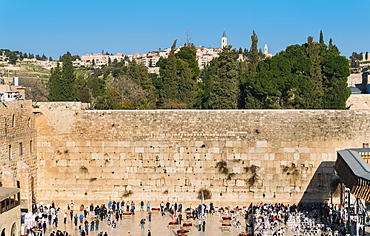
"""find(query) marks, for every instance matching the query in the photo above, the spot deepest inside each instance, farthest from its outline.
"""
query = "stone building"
(62, 151)
(9, 211)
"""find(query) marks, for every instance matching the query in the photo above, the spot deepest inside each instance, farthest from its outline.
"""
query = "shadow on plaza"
(323, 186)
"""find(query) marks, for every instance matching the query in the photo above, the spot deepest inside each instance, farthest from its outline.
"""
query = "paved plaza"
(158, 226)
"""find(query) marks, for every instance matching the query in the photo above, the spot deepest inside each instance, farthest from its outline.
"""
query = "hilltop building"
(10, 91)
(203, 54)
(224, 40)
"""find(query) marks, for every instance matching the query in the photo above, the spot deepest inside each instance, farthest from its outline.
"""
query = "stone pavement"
(158, 226)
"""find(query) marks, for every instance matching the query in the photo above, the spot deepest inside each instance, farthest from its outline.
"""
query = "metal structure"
(354, 171)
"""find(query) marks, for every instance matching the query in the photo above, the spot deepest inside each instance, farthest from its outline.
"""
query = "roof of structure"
(6, 192)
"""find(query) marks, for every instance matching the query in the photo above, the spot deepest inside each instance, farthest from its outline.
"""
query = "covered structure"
(9, 211)
(353, 169)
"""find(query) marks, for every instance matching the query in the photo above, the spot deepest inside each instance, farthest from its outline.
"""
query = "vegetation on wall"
(207, 194)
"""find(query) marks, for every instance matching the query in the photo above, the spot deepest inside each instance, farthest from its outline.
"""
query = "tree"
(178, 73)
(54, 84)
(222, 81)
(321, 40)
(35, 89)
(44, 58)
(314, 95)
(308, 76)
(62, 82)
(254, 49)
(13, 58)
(168, 73)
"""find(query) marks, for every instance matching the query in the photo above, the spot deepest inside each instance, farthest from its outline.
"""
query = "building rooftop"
(6, 192)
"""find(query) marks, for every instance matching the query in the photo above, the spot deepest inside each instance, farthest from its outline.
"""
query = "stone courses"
(18, 136)
(162, 155)
(153, 151)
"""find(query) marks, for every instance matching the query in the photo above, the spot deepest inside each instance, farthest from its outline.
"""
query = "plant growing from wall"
(230, 176)
(254, 176)
(127, 193)
(165, 192)
(93, 179)
(207, 194)
(222, 167)
(84, 169)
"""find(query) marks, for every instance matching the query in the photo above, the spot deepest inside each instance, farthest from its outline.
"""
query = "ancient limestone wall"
(358, 102)
(18, 154)
(238, 155)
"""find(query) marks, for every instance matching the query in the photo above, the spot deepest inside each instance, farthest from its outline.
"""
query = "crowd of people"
(260, 219)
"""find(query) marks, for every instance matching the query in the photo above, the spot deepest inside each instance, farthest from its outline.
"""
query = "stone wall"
(18, 154)
(169, 155)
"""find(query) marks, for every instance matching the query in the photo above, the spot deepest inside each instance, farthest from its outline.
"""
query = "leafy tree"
(306, 76)
(222, 81)
(188, 54)
(44, 58)
(62, 82)
(355, 59)
(178, 73)
(13, 57)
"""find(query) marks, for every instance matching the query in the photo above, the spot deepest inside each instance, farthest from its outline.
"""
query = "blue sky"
(83, 27)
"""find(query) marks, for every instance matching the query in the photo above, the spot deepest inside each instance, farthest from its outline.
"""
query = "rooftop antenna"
(188, 37)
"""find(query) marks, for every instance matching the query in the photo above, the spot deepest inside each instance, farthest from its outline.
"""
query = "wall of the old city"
(169, 155)
(18, 154)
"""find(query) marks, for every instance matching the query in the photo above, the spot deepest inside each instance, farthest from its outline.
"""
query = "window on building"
(30, 146)
(10, 151)
(20, 149)
(13, 121)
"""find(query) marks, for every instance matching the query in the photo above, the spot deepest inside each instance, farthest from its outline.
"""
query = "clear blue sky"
(90, 26)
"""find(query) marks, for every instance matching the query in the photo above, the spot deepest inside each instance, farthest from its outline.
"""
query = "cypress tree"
(169, 75)
(54, 84)
(313, 96)
(223, 82)
(62, 82)
(321, 38)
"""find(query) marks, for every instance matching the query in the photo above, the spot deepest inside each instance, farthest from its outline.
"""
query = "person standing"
(203, 225)
(149, 233)
(65, 218)
(76, 220)
(71, 215)
(128, 206)
(129, 233)
(133, 208)
(179, 218)
(142, 206)
(148, 206)
(97, 224)
(142, 223)
(44, 226)
(150, 216)
(56, 221)
(92, 227)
